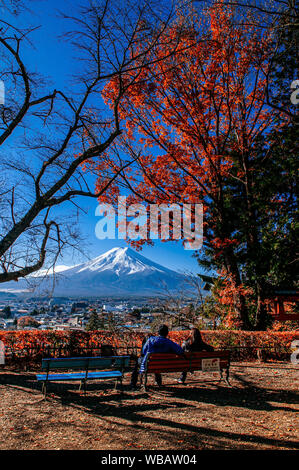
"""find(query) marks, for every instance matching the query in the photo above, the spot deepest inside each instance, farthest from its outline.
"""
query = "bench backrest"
(85, 362)
(158, 362)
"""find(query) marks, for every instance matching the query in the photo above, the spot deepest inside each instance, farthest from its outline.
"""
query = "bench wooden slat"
(79, 376)
(190, 362)
(63, 364)
(158, 370)
(82, 363)
(174, 367)
(199, 354)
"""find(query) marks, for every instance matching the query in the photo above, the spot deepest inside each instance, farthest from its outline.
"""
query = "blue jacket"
(159, 344)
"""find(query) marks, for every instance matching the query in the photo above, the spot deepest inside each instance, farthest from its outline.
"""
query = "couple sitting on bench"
(161, 344)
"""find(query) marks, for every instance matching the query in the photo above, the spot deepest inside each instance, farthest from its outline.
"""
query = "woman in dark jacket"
(194, 343)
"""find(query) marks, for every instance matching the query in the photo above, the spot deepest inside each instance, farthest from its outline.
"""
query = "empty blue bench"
(111, 367)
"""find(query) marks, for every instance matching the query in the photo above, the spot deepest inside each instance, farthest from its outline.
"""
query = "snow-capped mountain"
(119, 271)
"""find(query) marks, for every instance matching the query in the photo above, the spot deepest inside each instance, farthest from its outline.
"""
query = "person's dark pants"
(158, 379)
(134, 376)
(183, 376)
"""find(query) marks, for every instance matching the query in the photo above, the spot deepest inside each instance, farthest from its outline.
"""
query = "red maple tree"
(194, 123)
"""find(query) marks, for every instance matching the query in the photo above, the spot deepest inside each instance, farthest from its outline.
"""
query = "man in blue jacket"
(159, 344)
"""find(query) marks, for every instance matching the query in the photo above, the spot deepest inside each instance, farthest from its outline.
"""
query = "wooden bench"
(111, 368)
(191, 361)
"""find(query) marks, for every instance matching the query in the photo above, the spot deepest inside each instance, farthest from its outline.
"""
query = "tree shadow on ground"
(112, 411)
(248, 396)
(113, 407)
(245, 394)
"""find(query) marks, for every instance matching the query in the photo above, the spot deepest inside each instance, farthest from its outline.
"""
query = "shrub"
(32, 345)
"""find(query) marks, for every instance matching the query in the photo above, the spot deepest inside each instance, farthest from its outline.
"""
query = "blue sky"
(54, 59)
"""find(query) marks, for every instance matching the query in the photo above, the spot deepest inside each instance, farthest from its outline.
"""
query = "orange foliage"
(197, 115)
(194, 109)
(227, 296)
(33, 345)
(27, 321)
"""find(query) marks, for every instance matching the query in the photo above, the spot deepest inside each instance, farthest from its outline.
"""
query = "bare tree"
(182, 307)
(48, 138)
(12, 6)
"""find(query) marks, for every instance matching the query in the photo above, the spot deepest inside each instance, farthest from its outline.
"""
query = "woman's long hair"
(195, 336)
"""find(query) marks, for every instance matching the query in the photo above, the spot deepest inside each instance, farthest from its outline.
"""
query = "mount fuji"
(120, 271)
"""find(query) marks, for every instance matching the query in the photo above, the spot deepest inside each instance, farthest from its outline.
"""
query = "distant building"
(74, 321)
(80, 305)
(108, 308)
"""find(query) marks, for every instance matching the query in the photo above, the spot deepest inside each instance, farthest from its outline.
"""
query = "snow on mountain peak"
(120, 261)
(45, 272)
(119, 271)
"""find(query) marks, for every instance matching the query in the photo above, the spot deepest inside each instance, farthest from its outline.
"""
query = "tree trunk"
(262, 315)
(240, 304)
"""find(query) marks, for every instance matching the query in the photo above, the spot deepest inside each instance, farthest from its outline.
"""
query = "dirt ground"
(257, 412)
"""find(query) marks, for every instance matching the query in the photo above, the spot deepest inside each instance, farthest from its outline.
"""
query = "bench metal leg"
(227, 377)
(44, 389)
(121, 385)
(83, 384)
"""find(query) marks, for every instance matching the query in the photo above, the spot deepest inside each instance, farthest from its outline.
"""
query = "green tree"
(262, 216)
(94, 322)
(35, 312)
(6, 312)
(111, 323)
(136, 313)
